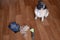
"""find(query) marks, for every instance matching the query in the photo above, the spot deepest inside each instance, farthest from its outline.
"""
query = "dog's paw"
(42, 19)
(35, 18)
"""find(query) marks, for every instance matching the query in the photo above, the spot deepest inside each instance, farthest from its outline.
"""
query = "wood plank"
(22, 11)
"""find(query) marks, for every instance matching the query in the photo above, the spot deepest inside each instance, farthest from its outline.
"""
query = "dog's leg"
(47, 13)
(42, 19)
(35, 17)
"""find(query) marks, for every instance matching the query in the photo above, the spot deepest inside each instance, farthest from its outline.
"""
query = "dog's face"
(41, 5)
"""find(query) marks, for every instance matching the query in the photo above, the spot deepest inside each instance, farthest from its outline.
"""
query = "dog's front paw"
(35, 18)
(42, 19)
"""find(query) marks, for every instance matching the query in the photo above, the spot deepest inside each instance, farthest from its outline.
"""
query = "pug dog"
(41, 11)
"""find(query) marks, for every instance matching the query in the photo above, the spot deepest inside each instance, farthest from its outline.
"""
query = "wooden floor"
(22, 11)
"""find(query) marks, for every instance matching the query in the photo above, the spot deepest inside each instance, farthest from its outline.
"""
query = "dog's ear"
(45, 7)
